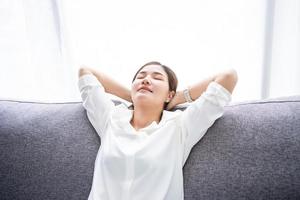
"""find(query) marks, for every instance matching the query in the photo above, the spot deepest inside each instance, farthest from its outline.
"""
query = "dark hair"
(172, 78)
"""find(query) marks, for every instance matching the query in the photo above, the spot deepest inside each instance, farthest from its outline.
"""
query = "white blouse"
(145, 164)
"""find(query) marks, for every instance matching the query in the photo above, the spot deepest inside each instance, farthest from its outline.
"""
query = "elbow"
(228, 79)
(233, 76)
(231, 79)
(83, 70)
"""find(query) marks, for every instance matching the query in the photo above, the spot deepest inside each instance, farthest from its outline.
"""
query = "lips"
(145, 88)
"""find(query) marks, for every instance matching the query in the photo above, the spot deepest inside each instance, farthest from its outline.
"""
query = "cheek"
(134, 85)
(163, 89)
(164, 86)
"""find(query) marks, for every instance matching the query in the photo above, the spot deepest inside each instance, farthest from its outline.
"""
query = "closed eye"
(156, 78)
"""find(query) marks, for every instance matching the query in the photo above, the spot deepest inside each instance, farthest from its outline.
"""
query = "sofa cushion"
(47, 151)
(251, 152)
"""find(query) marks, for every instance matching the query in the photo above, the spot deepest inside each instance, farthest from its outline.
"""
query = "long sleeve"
(202, 114)
(96, 102)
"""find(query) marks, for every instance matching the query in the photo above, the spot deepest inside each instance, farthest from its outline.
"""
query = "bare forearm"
(110, 85)
(195, 90)
(227, 79)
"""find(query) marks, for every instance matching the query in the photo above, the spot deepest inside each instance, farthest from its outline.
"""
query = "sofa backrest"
(47, 151)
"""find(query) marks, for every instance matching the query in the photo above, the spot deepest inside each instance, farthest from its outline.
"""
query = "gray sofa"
(47, 151)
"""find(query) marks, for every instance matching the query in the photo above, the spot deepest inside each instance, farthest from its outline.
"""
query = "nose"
(146, 80)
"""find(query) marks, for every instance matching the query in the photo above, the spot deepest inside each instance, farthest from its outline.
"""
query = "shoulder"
(171, 115)
(216, 94)
(88, 80)
(121, 112)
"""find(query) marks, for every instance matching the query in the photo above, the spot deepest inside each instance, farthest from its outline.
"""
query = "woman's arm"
(227, 79)
(110, 85)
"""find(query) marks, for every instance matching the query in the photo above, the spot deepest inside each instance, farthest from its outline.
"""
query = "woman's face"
(151, 86)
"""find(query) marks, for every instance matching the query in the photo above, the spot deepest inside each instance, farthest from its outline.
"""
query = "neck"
(144, 116)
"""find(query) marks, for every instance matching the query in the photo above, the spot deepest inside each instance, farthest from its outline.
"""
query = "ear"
(170, 96)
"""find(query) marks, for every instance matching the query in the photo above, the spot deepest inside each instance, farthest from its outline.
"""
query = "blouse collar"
(123, 115)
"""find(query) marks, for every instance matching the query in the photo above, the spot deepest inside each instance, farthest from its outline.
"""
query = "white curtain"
(282, 58)
(34, 58)
(42, 43)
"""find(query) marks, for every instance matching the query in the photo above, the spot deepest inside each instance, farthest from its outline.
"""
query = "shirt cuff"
(88, 79)
(217, 90)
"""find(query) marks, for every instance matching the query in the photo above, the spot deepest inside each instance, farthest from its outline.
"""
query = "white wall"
(195, 38)
(42, 43)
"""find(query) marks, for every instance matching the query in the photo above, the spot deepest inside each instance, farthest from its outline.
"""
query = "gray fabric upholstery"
(47, 151)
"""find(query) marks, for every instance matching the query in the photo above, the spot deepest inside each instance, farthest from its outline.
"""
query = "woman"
(144, 149)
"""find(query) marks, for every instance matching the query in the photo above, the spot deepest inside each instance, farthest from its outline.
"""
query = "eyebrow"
(156, 73)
